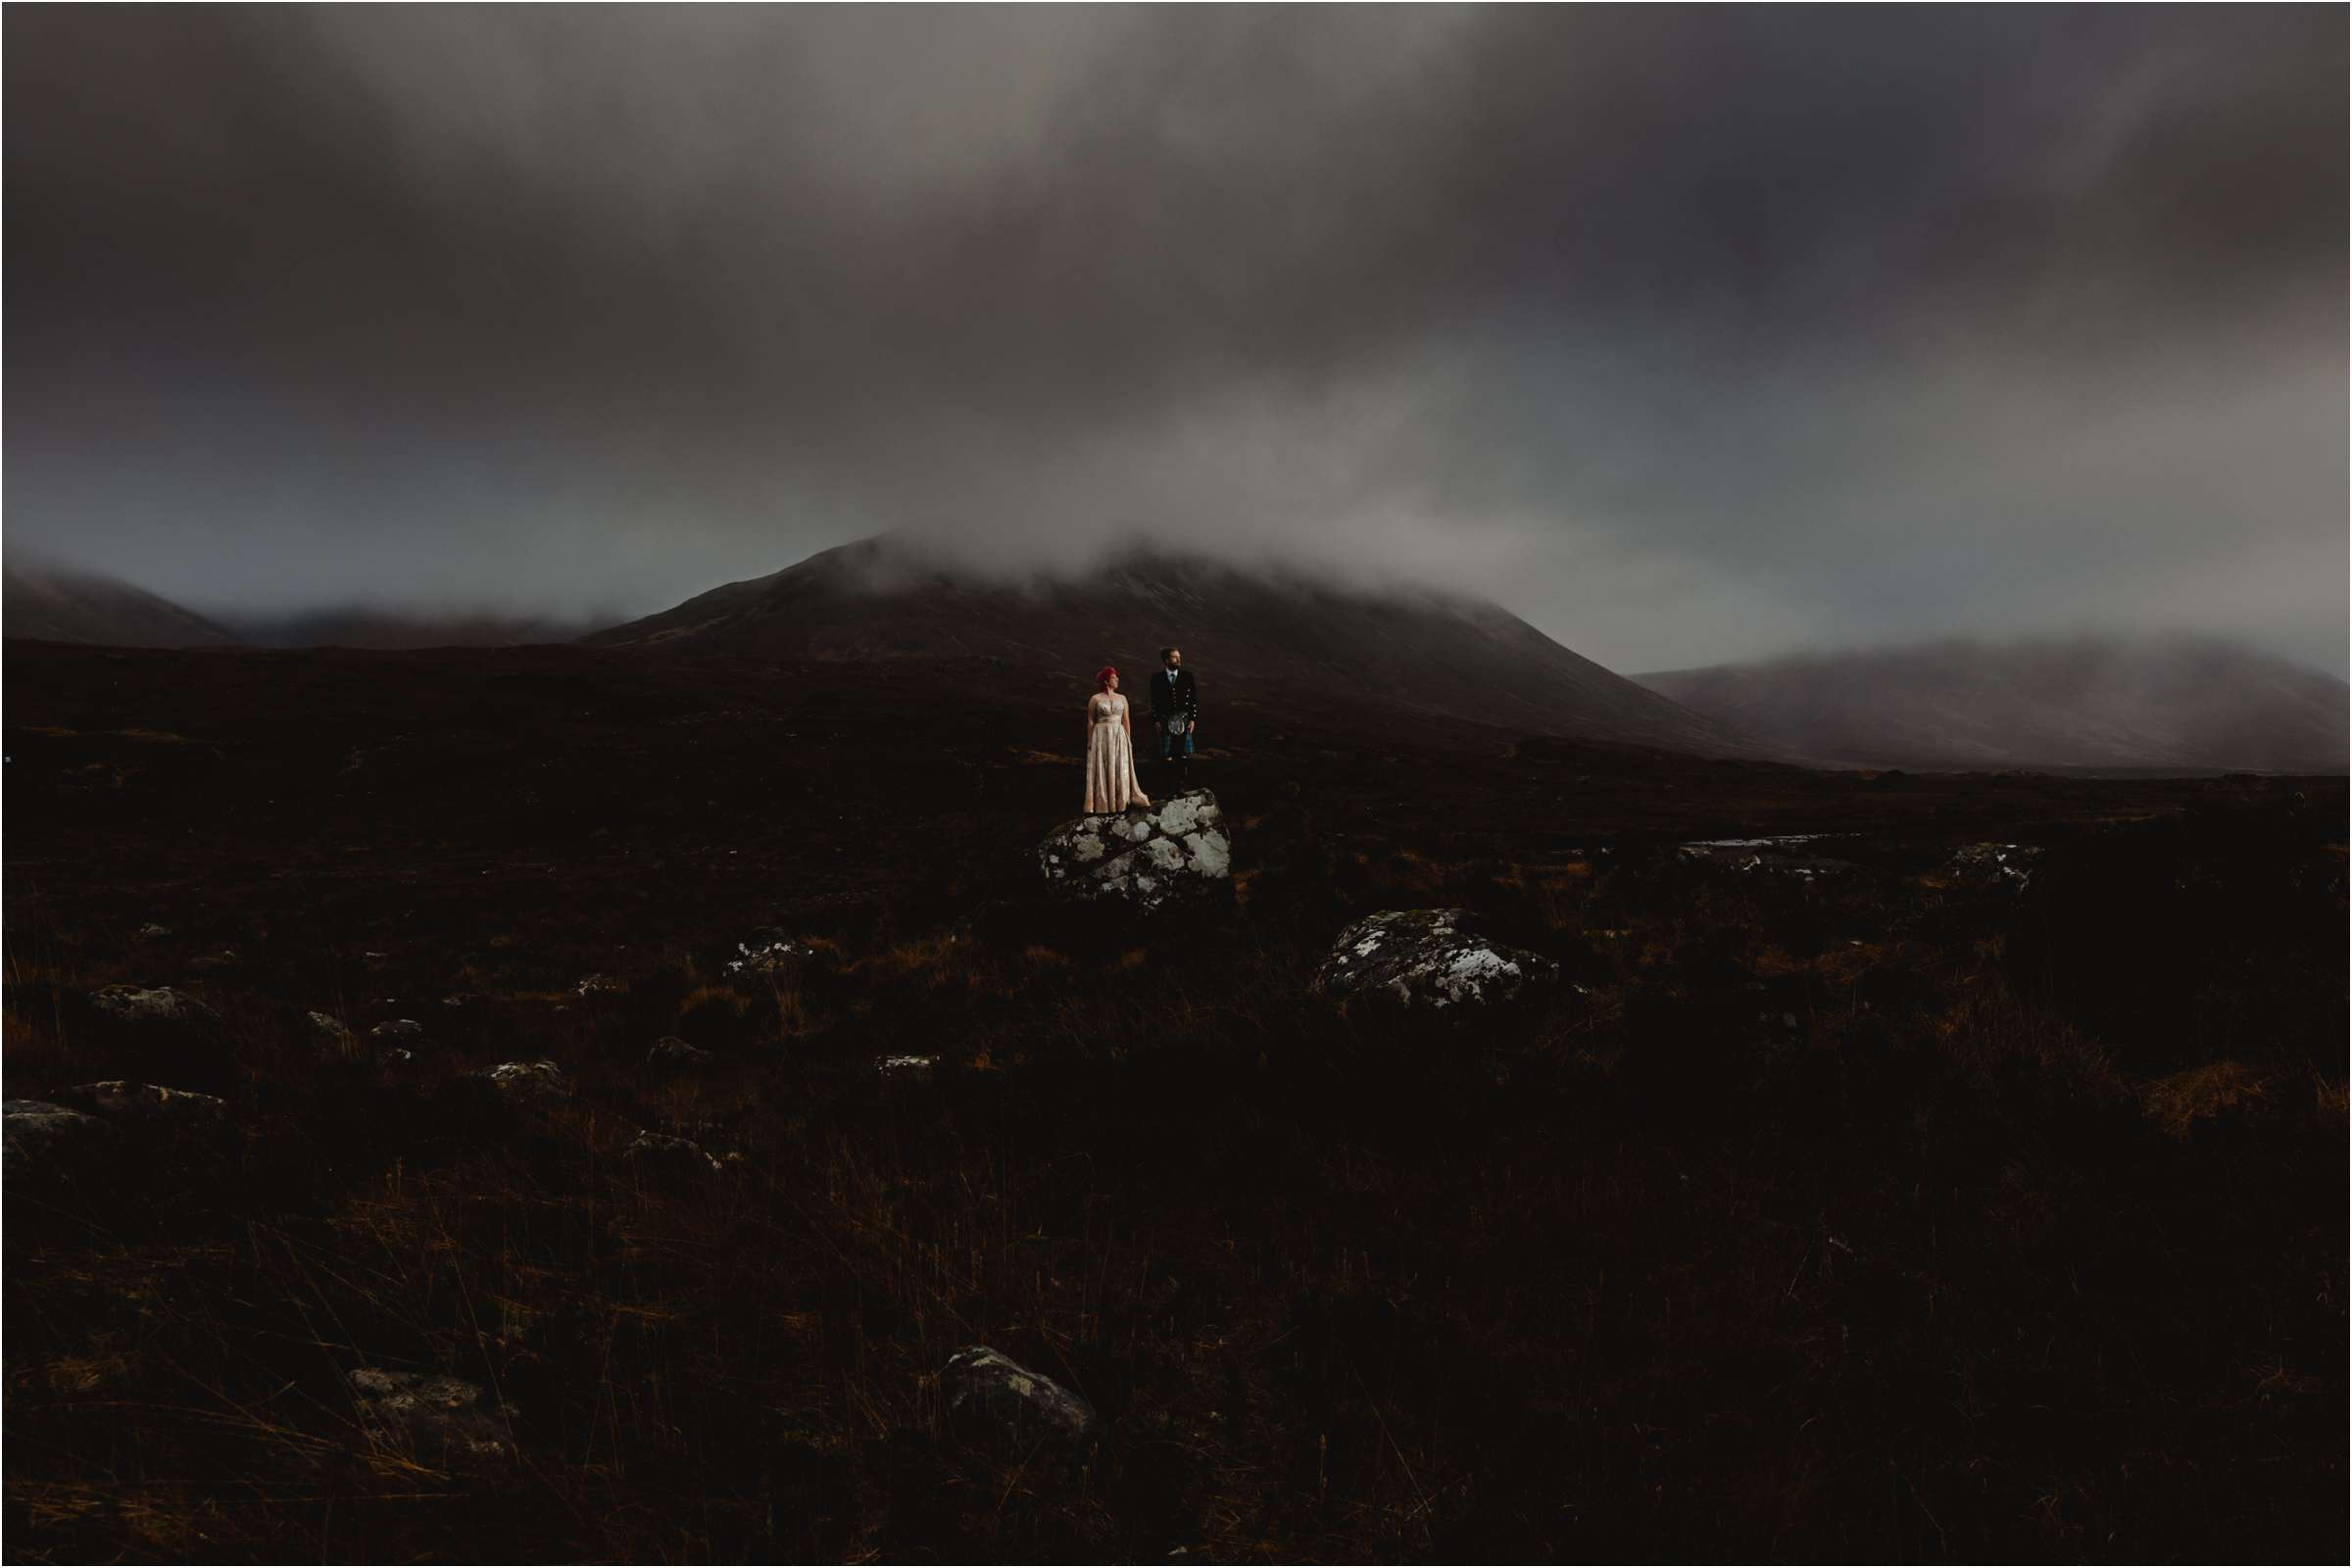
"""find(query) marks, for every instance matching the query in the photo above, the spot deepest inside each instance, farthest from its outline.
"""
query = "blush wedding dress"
(1110, 782)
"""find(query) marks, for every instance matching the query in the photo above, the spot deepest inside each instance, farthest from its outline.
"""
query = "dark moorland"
(1908, 1211)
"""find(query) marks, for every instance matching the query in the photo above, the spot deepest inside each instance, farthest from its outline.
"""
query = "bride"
(1111, 783)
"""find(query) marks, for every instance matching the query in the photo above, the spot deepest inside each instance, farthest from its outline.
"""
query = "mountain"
(370, 626)
(61, 605)
(2082, 702)
(1275, 635)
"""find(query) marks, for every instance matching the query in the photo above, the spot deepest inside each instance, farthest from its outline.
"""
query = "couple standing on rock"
(1110, 782)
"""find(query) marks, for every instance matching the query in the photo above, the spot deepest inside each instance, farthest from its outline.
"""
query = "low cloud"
(1689, 335)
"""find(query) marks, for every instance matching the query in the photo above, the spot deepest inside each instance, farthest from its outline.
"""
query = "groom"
(1175, 695)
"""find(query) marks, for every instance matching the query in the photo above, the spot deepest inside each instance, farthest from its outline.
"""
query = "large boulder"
(996, 1403)
(1175, 852)
(1429, 958)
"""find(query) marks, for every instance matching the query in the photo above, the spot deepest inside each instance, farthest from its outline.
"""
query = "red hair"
(1102, 677)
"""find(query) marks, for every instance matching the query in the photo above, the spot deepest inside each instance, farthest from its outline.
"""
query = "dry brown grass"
(2207, 1093)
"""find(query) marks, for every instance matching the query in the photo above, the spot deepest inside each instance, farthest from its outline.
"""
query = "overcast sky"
(1689, 335)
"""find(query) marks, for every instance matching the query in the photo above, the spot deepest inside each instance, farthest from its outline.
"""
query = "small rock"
(1782, 854)
(905, 1066)
(434, 1419)
(331, 1031)
(225, 959)
(151, 932)
(769, 953)
(1428, 958)
(996, 1403)
(120, 1101)
(525, 1083)
(599, 984)
(672, 1054)
(49, 1146)
(397, 1029)
(153, 1004)
(462, 999)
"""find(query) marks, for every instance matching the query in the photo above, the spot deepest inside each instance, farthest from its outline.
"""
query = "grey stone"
(525, 1083)
(769, 953)
(672, 1054)
(1172, 853)
(996, 1403)
(120, 1101)
(1429, 958)
(434, 1419)
(153, 1006)
(397, 1029)
(331, 1031)
(49, 1146)
(660, 1152)
(108, 1142)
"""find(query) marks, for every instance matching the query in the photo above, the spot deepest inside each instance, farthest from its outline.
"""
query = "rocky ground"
(633, 1108)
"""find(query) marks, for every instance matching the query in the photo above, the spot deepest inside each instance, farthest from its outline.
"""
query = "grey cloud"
(1688, 334)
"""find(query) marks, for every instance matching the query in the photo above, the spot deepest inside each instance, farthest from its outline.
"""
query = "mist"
(1689, 335)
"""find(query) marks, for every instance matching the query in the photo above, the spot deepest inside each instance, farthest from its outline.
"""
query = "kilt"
(1173, 744)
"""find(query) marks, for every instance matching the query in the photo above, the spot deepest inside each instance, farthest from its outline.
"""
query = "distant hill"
(365, 626)
(1282, 636)
(2082, 702)
(68, 606)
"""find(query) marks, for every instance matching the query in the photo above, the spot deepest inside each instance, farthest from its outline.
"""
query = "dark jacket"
(1183, 696)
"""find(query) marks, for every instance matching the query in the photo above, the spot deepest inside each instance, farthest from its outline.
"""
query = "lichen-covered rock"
(1175, 852)
(769, 953)
(525, 1083)
(331, 1032)
(154, 1005)
(1429, 958)
(434, 1419)
(996, 1403)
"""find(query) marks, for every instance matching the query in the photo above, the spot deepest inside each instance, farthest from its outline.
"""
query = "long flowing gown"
(1110, 782)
